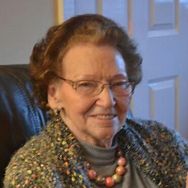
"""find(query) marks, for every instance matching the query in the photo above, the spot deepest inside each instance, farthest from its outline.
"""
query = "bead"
(120, 170)
(117, 178)
(109, 182)
(88, 165)
(34, 176)
(29, 171)
(121, 161)
(92, 174)
(66, 164)
(119, 153)
(100, 180)
(67, 172)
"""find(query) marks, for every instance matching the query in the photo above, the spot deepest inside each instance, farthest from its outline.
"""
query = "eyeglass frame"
(74, 84)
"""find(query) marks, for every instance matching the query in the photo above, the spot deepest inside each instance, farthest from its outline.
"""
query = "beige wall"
(22, 23)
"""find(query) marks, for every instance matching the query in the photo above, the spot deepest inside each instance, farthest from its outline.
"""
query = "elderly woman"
(84, 72)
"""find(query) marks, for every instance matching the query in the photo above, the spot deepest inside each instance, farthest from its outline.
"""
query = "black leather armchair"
(20, 117)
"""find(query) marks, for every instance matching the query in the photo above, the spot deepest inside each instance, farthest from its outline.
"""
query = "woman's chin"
(104, 136)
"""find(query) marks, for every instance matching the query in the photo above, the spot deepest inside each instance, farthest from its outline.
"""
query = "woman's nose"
(106, 98)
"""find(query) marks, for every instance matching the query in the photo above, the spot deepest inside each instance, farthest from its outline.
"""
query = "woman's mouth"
(104, 116)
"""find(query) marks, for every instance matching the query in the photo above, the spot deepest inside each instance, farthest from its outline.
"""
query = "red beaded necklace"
(109, 181)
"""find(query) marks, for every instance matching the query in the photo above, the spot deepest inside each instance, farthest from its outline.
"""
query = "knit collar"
(138, 144)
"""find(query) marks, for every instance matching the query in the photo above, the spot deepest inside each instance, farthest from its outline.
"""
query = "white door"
(160, 28)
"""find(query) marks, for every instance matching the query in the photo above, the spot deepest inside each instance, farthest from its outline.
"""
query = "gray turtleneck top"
(104, 162)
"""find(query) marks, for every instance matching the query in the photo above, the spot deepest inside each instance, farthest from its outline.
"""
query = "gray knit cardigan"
(54, 159)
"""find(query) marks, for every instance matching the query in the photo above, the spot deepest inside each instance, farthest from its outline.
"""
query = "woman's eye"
(121, 84)
(87, 85)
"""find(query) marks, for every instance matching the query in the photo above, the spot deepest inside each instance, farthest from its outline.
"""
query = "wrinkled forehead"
(91, 59)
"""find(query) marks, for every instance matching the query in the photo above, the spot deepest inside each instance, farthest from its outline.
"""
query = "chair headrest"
(20, 117)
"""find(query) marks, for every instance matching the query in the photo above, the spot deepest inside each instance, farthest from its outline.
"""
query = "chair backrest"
(20, 117)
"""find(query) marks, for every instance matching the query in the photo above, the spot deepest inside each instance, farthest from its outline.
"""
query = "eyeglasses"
(94, 88)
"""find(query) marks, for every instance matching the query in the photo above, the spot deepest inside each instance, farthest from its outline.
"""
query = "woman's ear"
(53, 96)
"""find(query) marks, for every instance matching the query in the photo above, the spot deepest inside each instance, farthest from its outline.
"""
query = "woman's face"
(92, 119)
